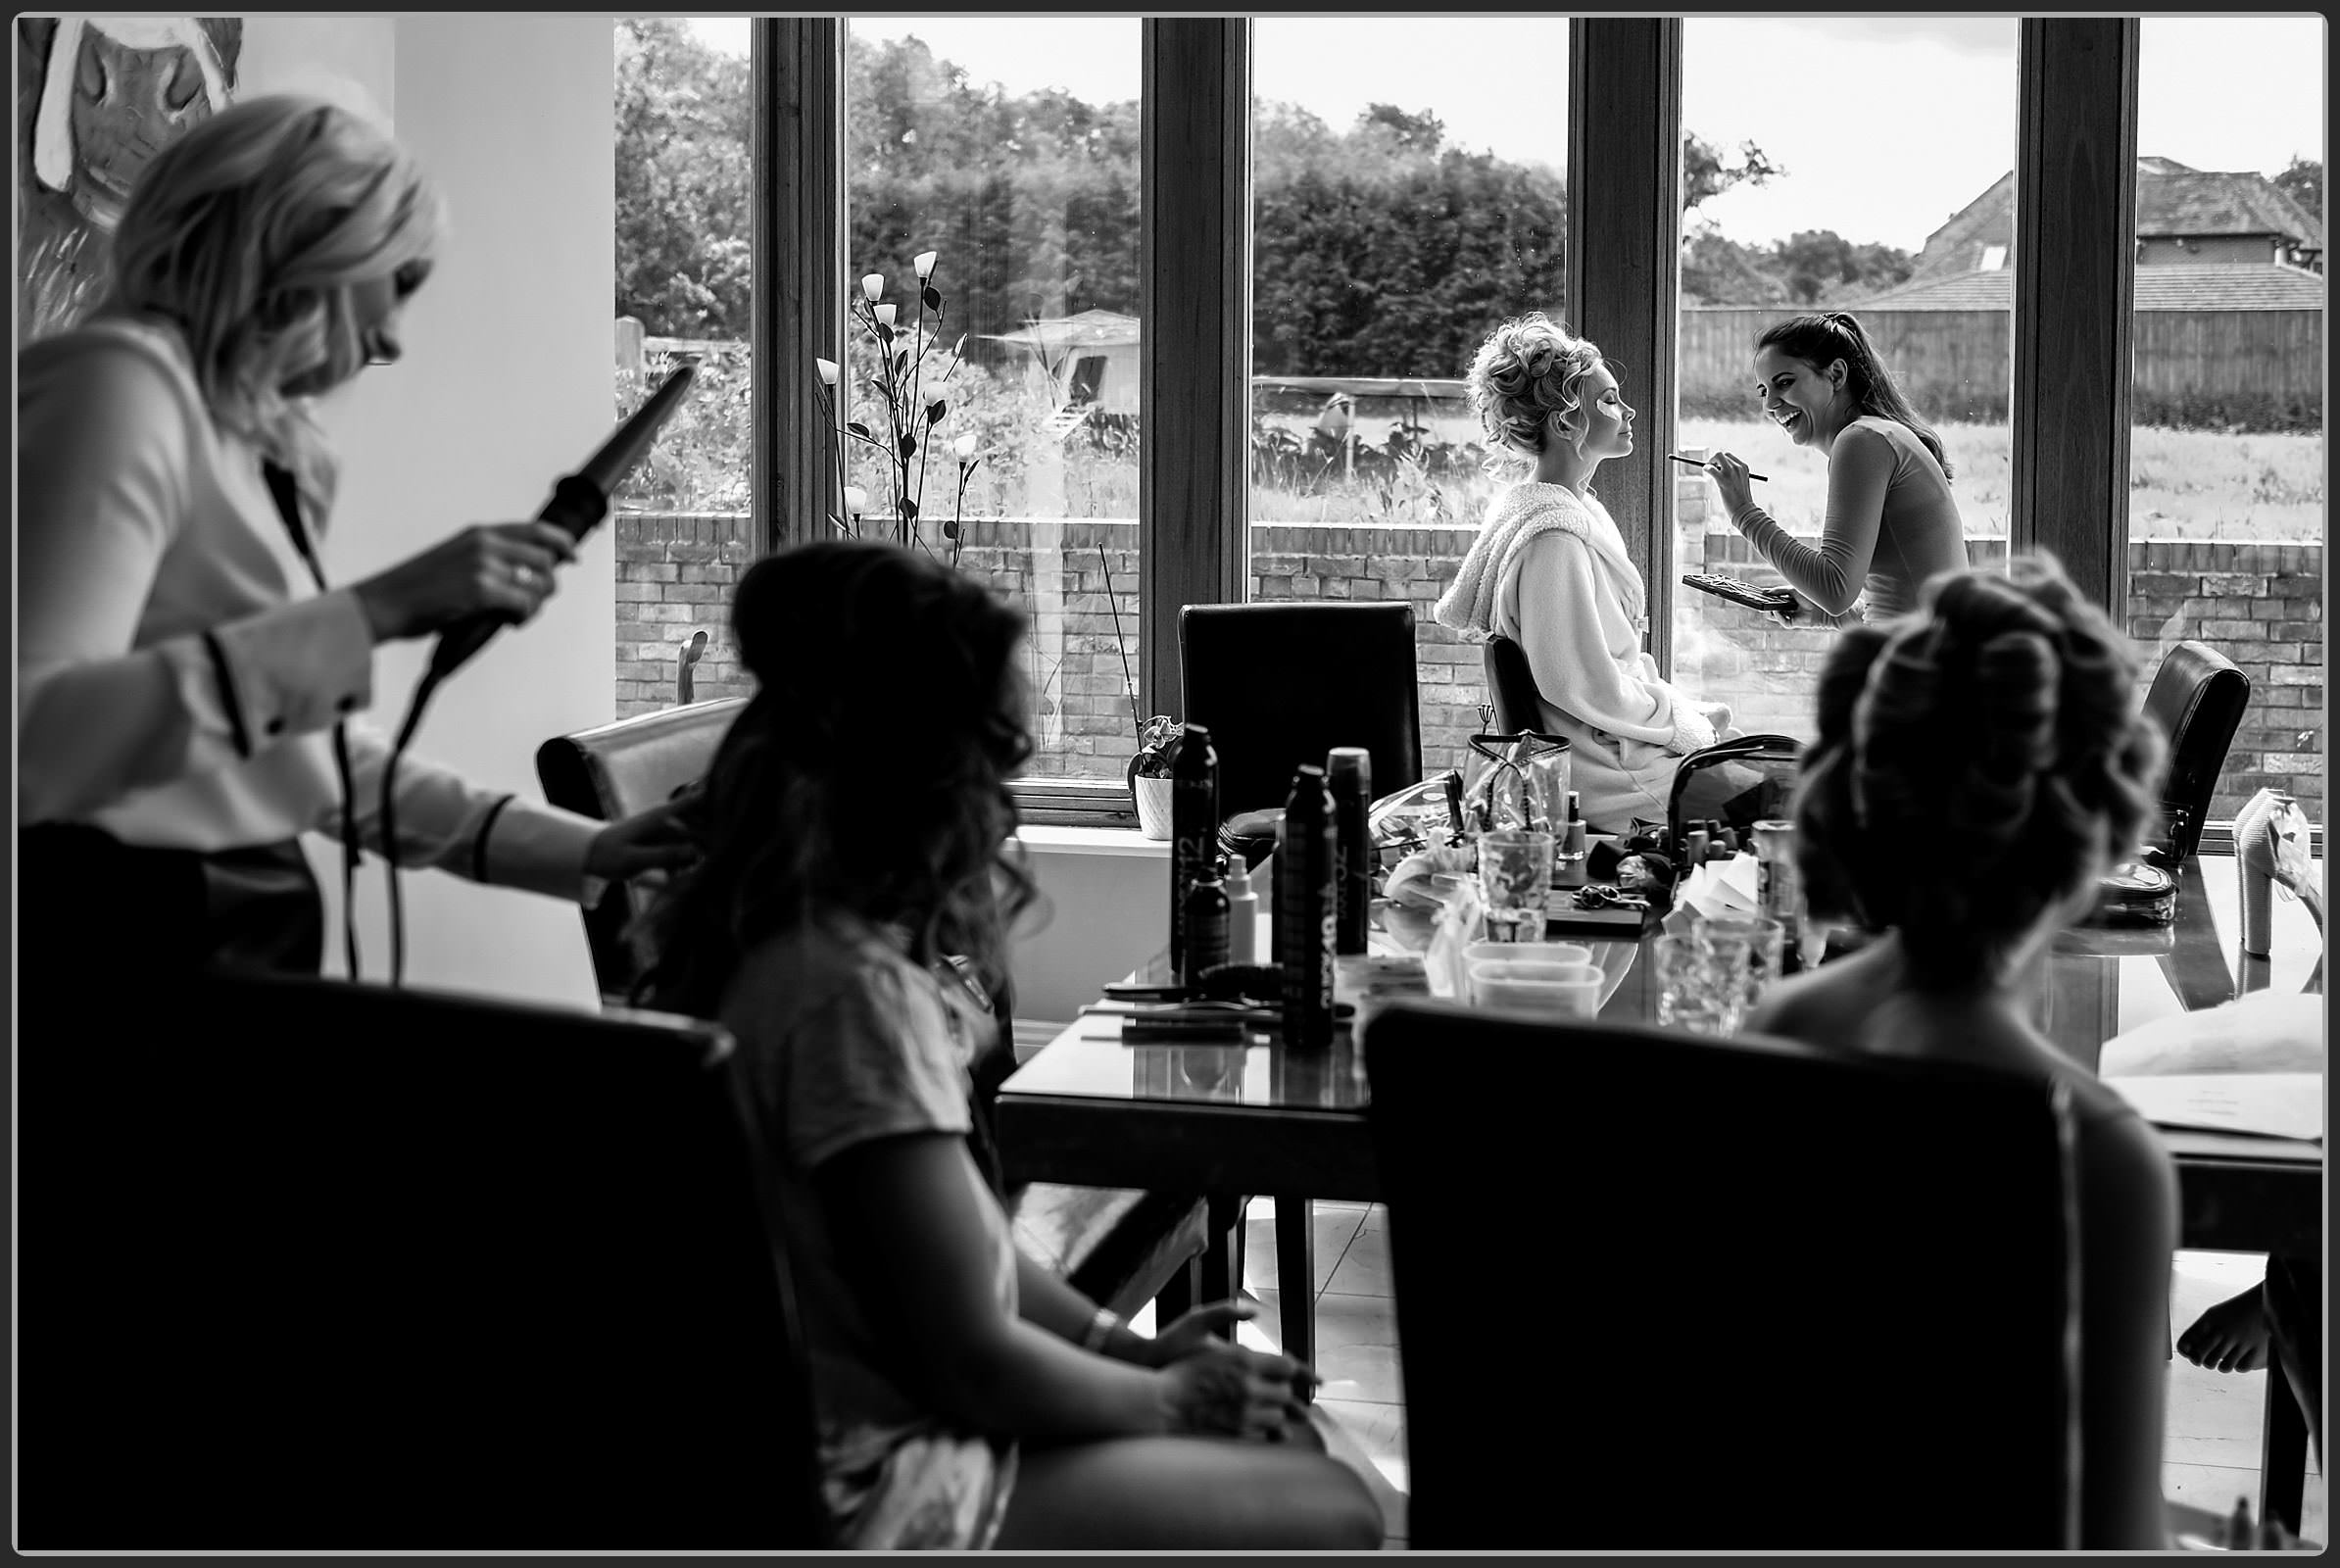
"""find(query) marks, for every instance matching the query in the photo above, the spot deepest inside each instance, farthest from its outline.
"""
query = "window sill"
(1057, 838)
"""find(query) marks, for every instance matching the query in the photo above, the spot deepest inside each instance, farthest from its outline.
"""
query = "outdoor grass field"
(2183, 485)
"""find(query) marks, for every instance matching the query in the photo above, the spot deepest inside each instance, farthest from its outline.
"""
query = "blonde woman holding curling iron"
(188, 685)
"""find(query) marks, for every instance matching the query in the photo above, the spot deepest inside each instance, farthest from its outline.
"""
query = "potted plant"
(1150, 773)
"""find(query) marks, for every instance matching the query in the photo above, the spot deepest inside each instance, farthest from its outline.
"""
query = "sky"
(1887, 125)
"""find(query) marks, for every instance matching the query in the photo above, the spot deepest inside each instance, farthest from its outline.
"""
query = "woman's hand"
(504, 567)
(1730, 475)
(656, 840)
(1199, 1329)
(1223, 1390)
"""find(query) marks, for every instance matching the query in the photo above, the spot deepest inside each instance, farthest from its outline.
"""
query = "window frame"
(2076, 193)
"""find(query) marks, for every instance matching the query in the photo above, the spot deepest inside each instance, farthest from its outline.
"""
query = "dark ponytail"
(1830, 335)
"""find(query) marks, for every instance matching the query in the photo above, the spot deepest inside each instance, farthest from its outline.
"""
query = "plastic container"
(1564, 990)
(1243, 915)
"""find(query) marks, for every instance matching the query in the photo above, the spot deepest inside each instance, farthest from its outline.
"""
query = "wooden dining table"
(1257, 1117)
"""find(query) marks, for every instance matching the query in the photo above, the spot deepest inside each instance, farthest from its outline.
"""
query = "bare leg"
(1187, 1495)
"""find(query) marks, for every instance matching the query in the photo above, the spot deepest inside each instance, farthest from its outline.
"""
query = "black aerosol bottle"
(1193, 830)
(1306, 909)
(1348, 772)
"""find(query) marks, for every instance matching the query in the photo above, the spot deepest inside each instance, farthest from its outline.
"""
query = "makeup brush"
(1700, 463)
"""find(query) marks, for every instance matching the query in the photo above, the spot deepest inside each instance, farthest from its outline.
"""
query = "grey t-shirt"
(845, 1040)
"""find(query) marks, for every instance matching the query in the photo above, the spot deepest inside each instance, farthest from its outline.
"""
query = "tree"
(1719, 271)
(1705, 174)
(2303, 183)
(1416, 133)
(681, 163)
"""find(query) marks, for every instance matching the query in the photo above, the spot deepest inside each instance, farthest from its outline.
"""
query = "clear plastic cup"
(1757, 940)
(1515, 878)
(1700, 989)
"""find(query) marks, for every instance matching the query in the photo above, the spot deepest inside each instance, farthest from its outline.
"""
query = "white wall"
(352, 60)
(504, 386)
(1106, 910)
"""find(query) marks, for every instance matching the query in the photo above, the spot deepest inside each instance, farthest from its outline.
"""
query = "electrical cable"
(579, 503)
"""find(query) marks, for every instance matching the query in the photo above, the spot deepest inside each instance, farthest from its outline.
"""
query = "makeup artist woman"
(188, 684)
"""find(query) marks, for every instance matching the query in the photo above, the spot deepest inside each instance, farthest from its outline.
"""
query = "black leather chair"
(2198, 697)
(323, 1267)
(613, 770)
(1758, 1323)
(1120, 1248)
(1511, 686)
(1281, 684)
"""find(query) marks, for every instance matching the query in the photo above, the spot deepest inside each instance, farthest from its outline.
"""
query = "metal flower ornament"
(901, 431)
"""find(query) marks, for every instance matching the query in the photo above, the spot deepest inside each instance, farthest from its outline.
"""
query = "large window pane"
(1844, 192)
(1400, 210)
(2227, 449)
(683, 528)
(1008, 147)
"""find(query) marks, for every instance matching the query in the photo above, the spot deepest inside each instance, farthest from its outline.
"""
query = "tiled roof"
(2229, 287)
(2194, 204)
(2172, 200)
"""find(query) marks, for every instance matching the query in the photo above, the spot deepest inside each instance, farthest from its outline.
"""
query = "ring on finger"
(525, 574)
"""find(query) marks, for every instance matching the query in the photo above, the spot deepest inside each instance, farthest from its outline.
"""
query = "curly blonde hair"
(1979, 759)
(1525, 372)
(249, 231)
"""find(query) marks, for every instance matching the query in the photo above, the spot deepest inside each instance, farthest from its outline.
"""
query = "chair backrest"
(613, 770)
(1281, 684)
(2197, 696)
(1765, 1297)
(328, 1267)
(1511, 686)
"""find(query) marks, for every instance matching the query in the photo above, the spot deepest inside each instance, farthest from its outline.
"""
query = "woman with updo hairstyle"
(1891, 520)
(190, 689)
(1980, 764)
(856, 872)
(1549, 570)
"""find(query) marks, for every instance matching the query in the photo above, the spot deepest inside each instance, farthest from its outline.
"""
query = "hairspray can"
(1306, 909)
(1207, 928)
(1349, 774)
(1193, 830)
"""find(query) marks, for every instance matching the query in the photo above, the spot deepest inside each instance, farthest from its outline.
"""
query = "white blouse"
(178, 674)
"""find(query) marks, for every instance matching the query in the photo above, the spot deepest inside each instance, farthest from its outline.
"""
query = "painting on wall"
(97, 97)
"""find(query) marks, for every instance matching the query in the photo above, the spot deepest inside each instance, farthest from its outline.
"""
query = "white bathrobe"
(1549, 572)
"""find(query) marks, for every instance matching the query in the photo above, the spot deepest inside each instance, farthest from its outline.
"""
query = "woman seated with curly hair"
(1980, 764)
(966, 1397)
(1549, 570)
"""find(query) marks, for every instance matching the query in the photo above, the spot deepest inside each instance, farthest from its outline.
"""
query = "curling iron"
(579, 502)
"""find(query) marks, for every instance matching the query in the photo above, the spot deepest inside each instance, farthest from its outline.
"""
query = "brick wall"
(676, 572)
(2258, 604)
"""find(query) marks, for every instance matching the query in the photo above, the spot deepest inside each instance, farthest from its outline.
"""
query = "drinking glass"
(1515, 877)
(1764, 939)
(1699, 988)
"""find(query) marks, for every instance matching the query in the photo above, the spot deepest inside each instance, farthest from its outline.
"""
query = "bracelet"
(1101, 1327)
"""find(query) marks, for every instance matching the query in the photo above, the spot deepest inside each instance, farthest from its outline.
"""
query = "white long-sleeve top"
(178, 674)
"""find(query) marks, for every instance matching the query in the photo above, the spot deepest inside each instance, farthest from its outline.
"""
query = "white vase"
(1153, 806)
